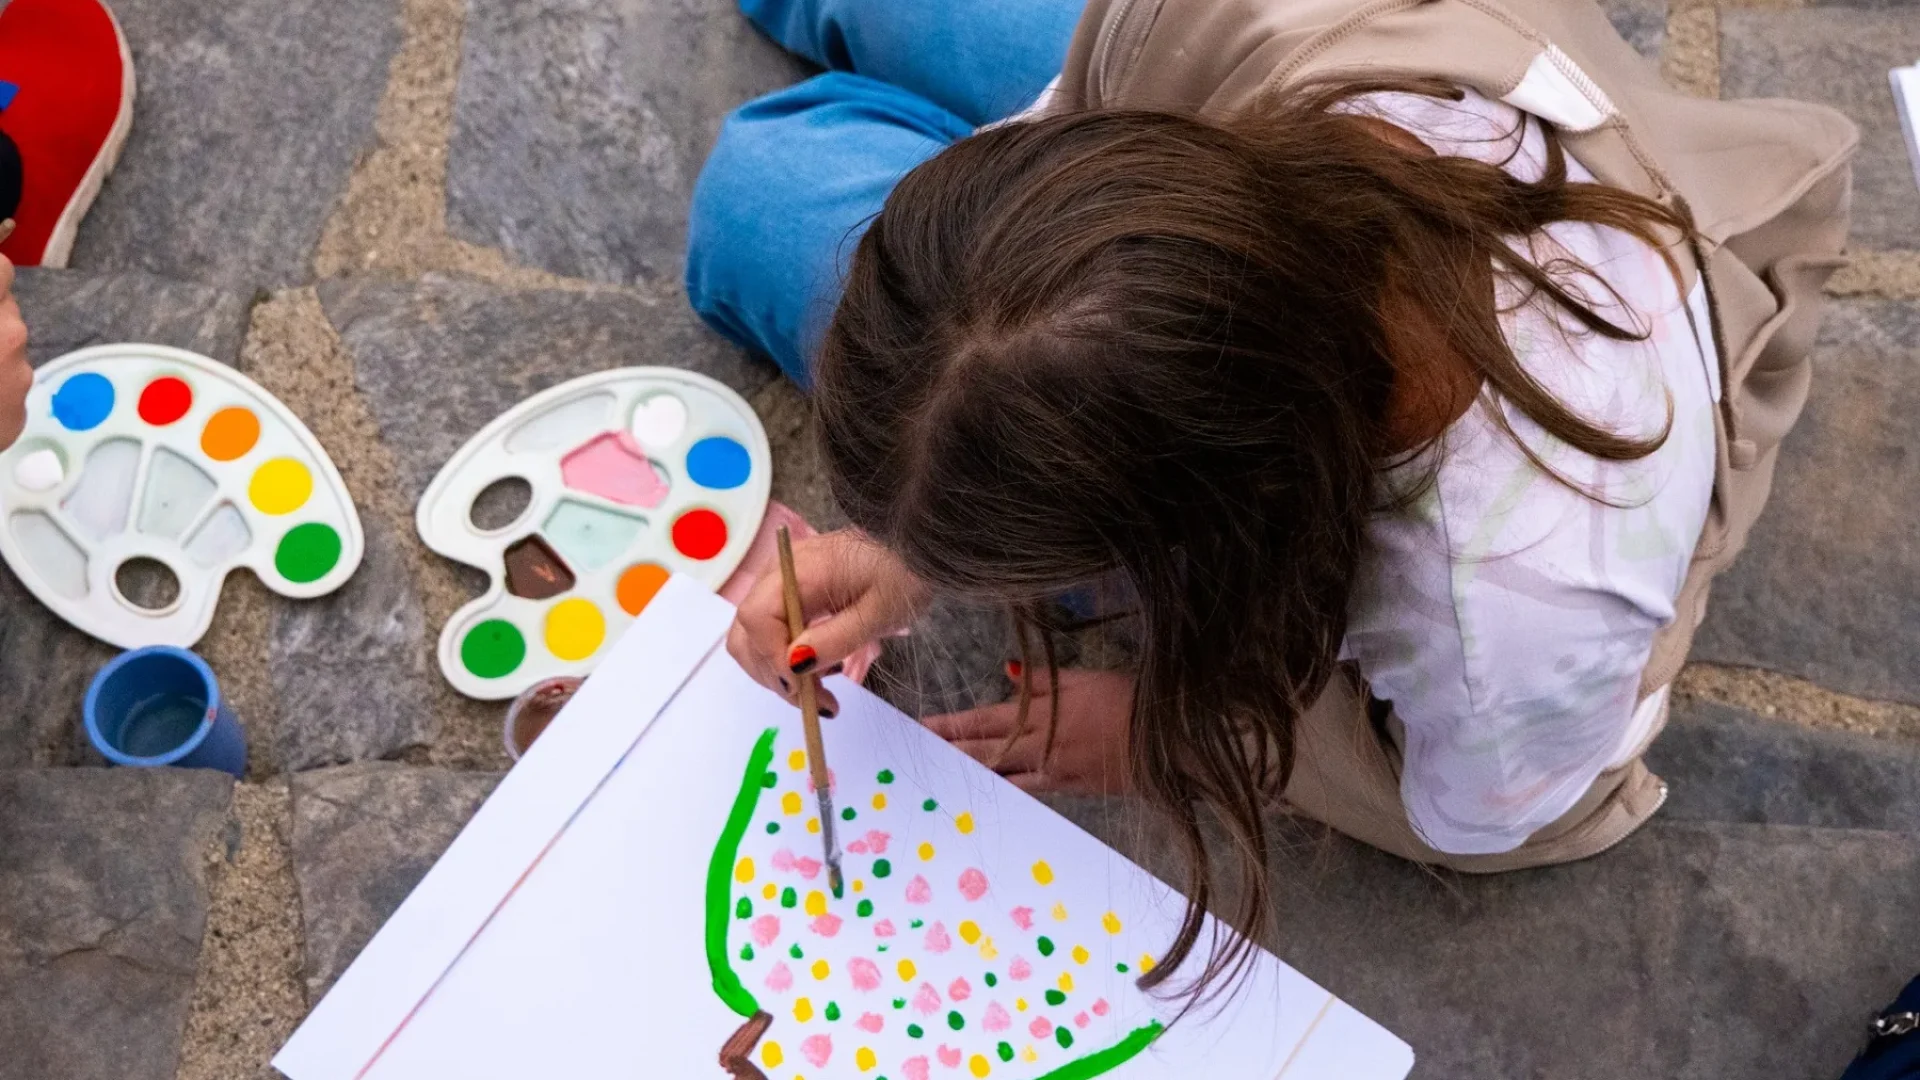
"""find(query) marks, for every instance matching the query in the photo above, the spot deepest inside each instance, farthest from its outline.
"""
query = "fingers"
(6, 270)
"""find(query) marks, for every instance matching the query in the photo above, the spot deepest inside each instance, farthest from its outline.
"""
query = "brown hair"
(1161, 347)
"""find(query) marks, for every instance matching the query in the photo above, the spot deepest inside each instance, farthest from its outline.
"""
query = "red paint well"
(699, 534)
(165, 400)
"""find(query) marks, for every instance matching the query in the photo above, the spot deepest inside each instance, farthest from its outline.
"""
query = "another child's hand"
(1090, 748)
(853, 590)
(16, 375)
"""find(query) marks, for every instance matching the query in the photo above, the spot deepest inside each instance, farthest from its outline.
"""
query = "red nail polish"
(1014, 669)
(801, 659)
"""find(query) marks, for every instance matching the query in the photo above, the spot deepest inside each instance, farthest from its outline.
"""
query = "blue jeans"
(796, 175)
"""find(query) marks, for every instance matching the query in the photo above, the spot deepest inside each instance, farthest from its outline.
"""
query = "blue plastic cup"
(162, 706)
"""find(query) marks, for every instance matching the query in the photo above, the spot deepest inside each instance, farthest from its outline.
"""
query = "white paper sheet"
(599, 963)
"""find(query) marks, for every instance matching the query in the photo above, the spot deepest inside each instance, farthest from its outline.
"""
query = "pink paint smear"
(615, 468)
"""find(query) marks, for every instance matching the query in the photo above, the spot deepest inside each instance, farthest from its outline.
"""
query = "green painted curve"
(720, 879)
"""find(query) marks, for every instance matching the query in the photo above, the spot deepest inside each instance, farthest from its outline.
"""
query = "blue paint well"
(83, 401)
(719, 463)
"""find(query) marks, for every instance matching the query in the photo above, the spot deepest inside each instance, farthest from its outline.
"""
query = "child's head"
(1148, 345)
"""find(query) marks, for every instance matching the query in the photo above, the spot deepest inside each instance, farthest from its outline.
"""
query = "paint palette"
(137, 455)
(634, 474)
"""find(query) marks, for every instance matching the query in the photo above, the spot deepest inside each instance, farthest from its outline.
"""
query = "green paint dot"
(956, 1021)
(1121, 968)
(992, 980)
(880, 948)
(833, 1011)
(1063, 1037)
(788, 898)
(864, 908)
(307, 553)
(769, 780)
(1045, 944)
(915, 924)
(886, 776)
(795, 951)
(493, 649)
(929, 806)
(772, 827)
(743, 909)
(1056, 998)
(1005, 1050)
(882, 868)
(848, 814)
(899, 1003)
(746, 952)
(914, 1031)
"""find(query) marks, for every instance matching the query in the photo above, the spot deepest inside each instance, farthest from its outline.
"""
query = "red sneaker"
(66, 102)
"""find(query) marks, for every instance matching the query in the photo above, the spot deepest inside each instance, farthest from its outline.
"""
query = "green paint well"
(495, 648)
(1045, 944)
(307, 553)
(882, 868)
(956, 1021)
(726, 984)
(1056, 999)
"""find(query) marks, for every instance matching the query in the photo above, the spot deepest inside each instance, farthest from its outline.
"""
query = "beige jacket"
(1767, 183)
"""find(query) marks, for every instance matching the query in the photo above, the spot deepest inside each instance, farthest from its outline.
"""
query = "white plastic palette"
(146, 452)
(636, 474)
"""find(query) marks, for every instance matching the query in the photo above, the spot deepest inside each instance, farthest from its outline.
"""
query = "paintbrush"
(809, 690)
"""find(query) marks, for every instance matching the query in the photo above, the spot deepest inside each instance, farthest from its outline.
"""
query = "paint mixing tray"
(629, 476)
(142, 463)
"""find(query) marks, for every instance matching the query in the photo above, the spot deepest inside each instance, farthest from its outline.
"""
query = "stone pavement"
(403, 216)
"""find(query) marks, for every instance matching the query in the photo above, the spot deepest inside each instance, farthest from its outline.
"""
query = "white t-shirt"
(1506, 617)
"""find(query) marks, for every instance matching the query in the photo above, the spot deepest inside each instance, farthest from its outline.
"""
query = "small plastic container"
(162, 706)
(534, 709)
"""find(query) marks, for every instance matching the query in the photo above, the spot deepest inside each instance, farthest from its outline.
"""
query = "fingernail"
(835, 669)
(801, 659)
(827, 711)
(1014, 669)
(785, 685)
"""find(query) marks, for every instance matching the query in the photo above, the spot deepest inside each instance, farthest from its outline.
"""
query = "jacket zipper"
(1118, 26)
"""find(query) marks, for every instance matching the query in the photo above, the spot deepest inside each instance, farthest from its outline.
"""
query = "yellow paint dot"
(821, 970)
(1019, 1004)
(969, 931)
(790, 803)
(803, 1010)
(879, 800)
(1059, 913)
(859, 886)
(1066, 982)
(816, 903)
(1111, 922)
(864, 1059)
(1147, 963)
(1028, 1054)
(771, 1055)
(978, 1066)
(280, 486)
(1043, 873)
(813, 825)
(964, 823)
(1080, 954)
(926, 852)
(987, 951)
(575, 629)
(743, 870)
(797, 760)
(906, 970)
(770, 891)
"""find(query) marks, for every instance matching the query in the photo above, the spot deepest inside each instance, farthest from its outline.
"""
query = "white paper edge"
(1906, 102)
(506, 837)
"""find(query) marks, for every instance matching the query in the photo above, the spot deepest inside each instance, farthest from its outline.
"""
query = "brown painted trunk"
(734, 1052)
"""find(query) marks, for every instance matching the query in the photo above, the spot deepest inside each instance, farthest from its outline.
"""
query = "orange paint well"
(638, 585)
(230, 433)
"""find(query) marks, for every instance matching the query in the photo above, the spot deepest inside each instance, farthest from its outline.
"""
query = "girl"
(1411, 367)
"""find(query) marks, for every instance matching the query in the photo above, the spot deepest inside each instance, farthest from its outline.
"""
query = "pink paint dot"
(807, 868)
(1040, 1028)
(1082, 1020)
(877, 840)
(938, 940)
(817, 1049)
(827, 925)
(858, 847)
(918, 891)
(949, 1057)
(833, 784)
(1019, 970)
(914, 1068)
(883, 928)
(927, 1000)
(780, 980)
(997, 1019)
(870, 1023)
(959, 990)
(766, 930)
(866, 975)
(783, 861)
(973, 884)
(1022, 917)
(1101, 1008)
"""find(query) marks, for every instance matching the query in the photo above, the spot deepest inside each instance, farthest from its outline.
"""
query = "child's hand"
(1090, 748)
(854, 592)
(16, 375)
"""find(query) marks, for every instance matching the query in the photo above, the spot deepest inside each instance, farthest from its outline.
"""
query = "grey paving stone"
(439, 359)
(1722, 764)
(249, 117)
(103, 903)
(1690, 952)
(363, 836)
(45, 666)
(1839, 57)
(1642, 22)
(1829, 586)
(354, 671)
(580, 126)
(72, 309)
